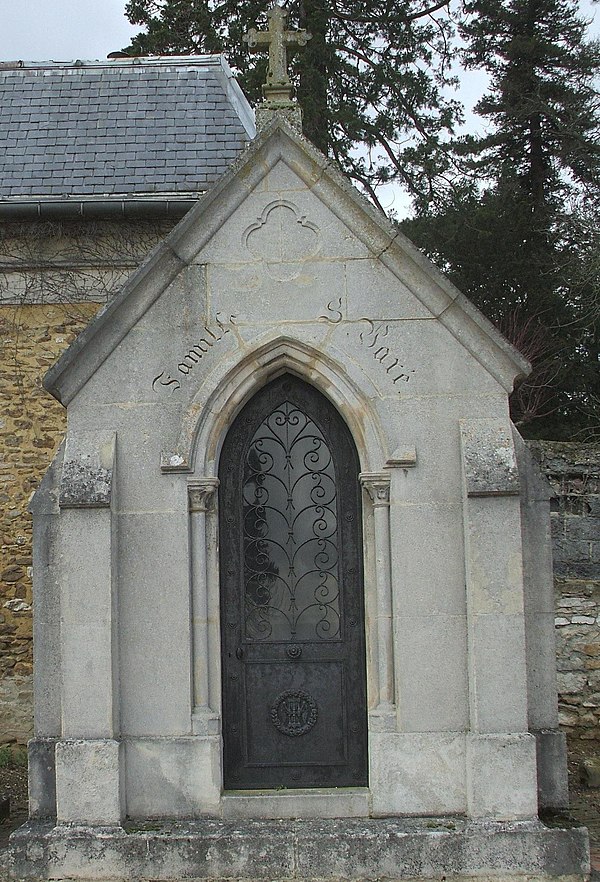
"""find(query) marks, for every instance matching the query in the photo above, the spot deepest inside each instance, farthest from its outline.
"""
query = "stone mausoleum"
(292, 579)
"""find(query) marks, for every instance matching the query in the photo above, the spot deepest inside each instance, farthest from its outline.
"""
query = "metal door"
(292, 611)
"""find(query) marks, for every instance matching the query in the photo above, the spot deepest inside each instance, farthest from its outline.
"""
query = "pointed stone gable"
(283, 163)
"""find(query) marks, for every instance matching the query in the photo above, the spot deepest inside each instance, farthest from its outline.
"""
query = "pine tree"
(509, 233)
(370, 81)
(543, 100)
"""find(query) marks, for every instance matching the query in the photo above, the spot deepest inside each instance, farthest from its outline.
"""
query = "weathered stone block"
(88, 621)
(489, 460)
(87, 470)
(410, 771)
(356, 850)
(347, 802)
(157, 603)
(430, 578)
(431, 660)
(590, 772)
(498, 697)
(172, 777)
(501, 776)
(553, 784)
(42, 778)
(583, 529)
(88, 782)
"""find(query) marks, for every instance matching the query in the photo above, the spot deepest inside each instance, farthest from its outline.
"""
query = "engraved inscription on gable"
(195, 353)
(374, 339)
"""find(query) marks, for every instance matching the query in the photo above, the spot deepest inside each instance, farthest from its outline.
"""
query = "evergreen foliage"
(370, 81)
(518, 232)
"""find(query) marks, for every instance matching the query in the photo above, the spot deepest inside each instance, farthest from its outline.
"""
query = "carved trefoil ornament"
(282, 238)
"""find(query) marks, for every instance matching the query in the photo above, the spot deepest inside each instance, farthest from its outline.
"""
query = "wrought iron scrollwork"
(290, 524)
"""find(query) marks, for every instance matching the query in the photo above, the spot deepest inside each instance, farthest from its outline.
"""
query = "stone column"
(88, 766)
(377, 485)
(201, 497)
(501, 764)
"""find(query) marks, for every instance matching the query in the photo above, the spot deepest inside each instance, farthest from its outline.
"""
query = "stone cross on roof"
(278, 89)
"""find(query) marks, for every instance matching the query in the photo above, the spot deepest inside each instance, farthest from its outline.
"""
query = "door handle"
(239, 653)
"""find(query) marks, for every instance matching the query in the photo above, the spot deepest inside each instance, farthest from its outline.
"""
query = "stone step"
(349, 849)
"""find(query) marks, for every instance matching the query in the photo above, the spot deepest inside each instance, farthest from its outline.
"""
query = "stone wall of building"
(70, 261)
(53, 277)
(31, 426)
(574, 474)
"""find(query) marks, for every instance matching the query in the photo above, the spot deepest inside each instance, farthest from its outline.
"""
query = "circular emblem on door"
(294, 713)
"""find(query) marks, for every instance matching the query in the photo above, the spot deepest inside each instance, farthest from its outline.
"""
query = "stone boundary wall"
(573, 471)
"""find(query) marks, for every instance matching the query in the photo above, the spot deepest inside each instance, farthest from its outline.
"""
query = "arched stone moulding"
(218, 400)
(225, 390)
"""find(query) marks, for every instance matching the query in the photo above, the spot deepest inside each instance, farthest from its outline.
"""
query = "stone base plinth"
(350, 849)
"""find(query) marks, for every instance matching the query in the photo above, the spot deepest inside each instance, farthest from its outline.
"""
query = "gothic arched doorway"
(292, 609)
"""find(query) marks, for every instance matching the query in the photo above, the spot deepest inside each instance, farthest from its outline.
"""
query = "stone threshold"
(346, 802)
(308, 850)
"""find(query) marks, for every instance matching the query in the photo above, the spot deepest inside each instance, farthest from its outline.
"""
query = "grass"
(13, 756)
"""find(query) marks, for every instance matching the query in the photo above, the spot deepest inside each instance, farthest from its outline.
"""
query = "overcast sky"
(63, 30)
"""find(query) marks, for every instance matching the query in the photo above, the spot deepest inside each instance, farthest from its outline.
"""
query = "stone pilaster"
(88, 767)
(501, 764)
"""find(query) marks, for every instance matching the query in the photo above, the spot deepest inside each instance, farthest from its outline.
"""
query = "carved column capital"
(201, 494)
(377, 485)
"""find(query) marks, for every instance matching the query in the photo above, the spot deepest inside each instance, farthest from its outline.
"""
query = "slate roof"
(128, 127)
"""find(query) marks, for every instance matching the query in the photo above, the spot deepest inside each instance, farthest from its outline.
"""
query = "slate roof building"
(99, 160)
(119, 137)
